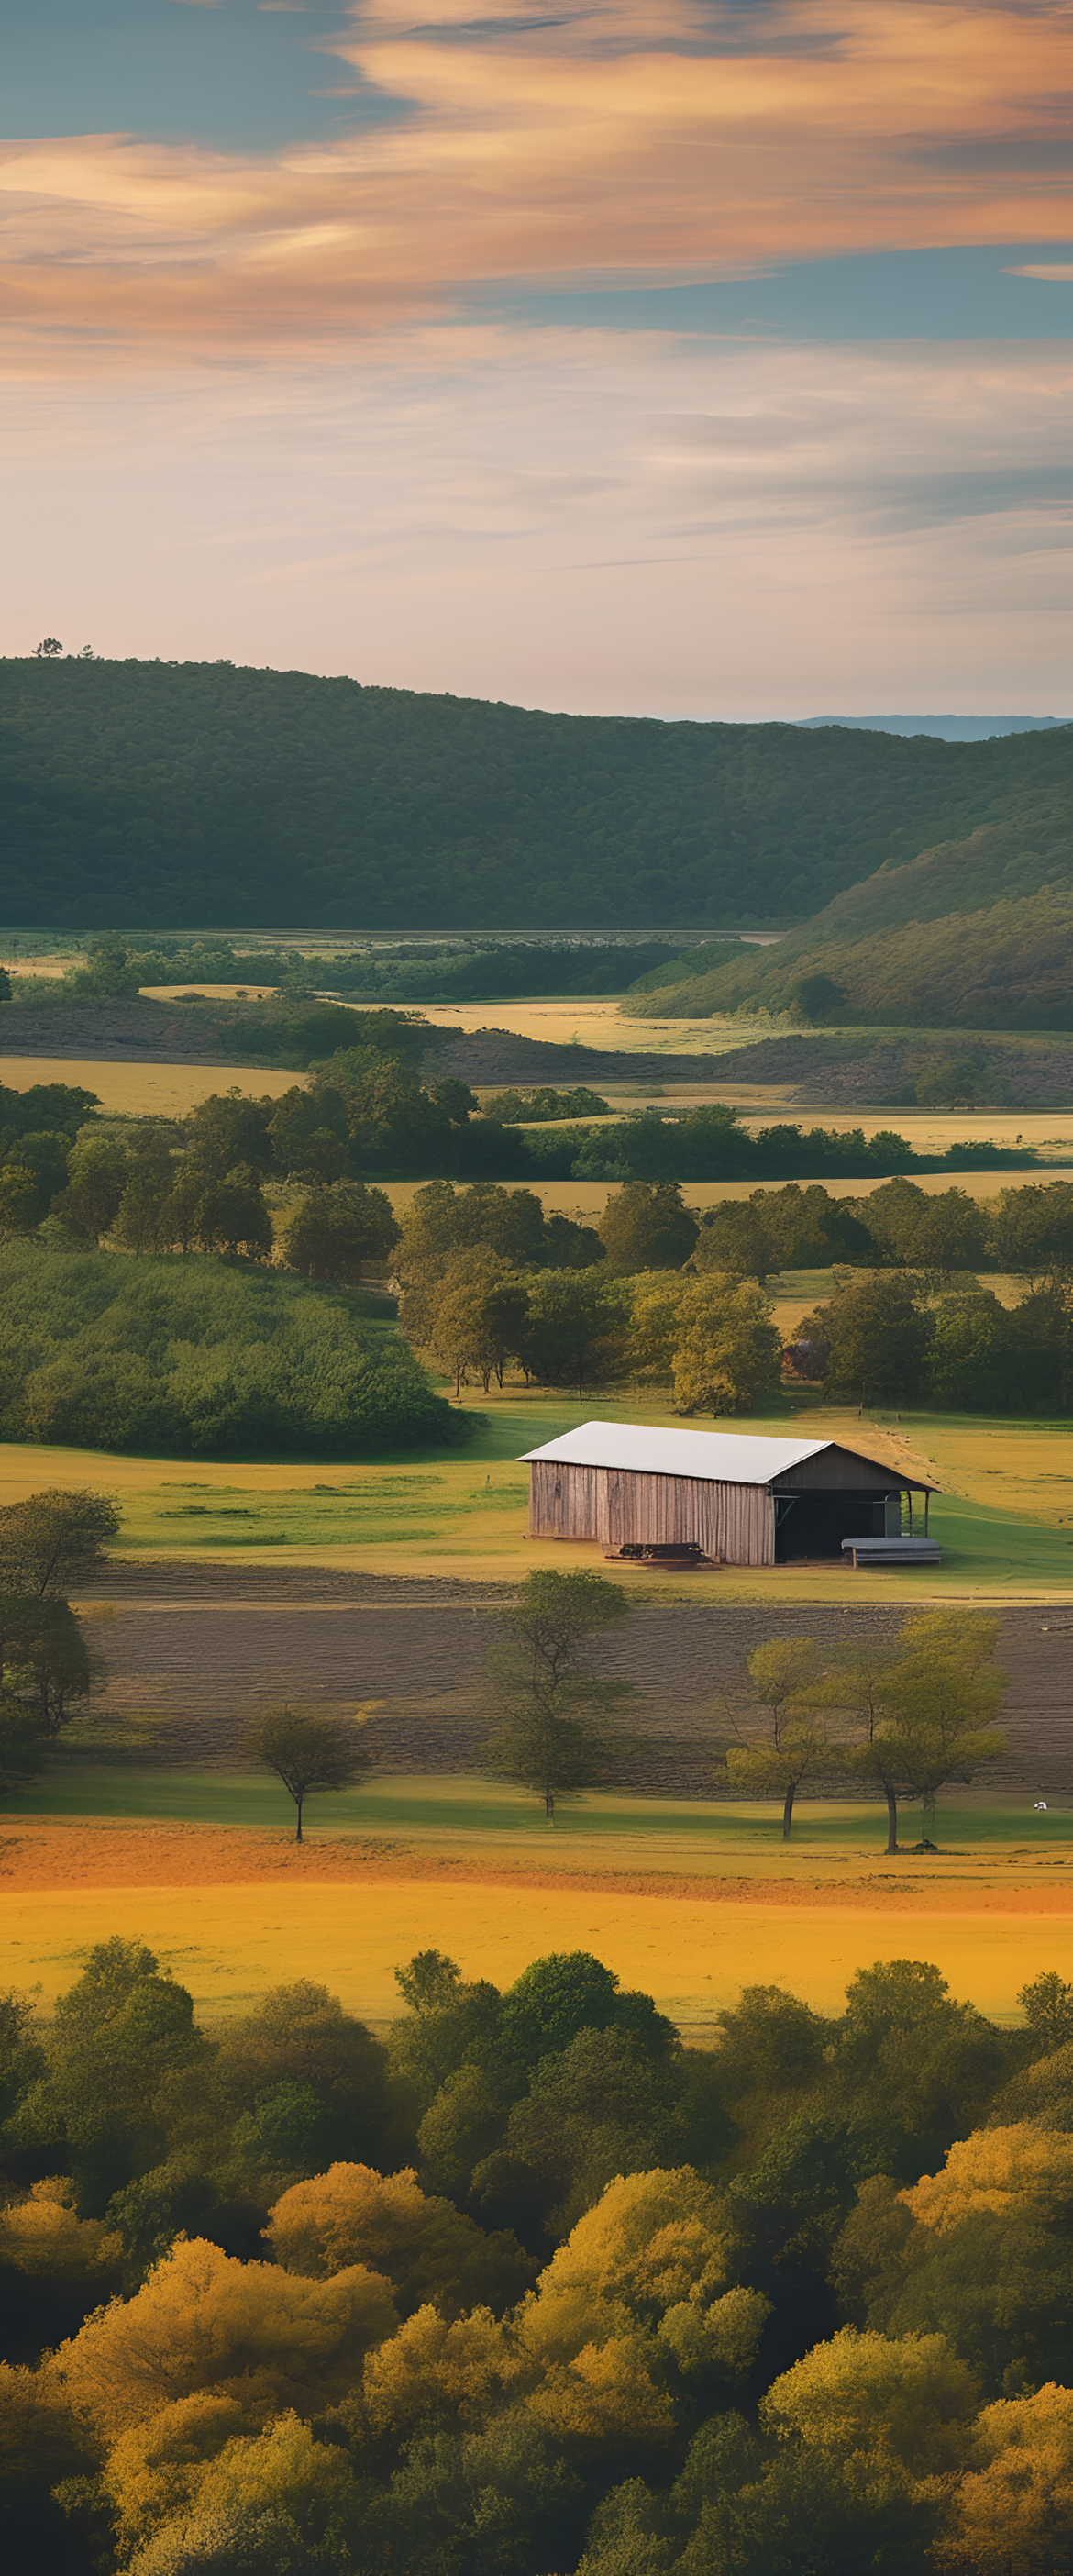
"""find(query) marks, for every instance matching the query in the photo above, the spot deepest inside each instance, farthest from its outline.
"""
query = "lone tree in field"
(308, 1753)
(928, 1708)
(54, 1538)
(795, 1746)
(553, 1737)
(43, 1657)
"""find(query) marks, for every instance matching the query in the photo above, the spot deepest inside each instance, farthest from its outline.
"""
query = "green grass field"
(1003, 1516)
(464, 1808)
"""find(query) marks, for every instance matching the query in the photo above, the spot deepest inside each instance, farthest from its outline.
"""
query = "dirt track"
(196, 1649)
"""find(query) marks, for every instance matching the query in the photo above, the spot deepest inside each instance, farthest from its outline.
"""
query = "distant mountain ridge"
(941, 728)
(200, 795)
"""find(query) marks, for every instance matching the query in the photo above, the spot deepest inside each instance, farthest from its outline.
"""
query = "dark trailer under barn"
(724, 1497)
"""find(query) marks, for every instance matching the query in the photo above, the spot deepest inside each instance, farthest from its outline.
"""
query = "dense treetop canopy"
(202, 795)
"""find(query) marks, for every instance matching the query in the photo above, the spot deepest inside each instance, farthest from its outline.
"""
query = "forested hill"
(197, 795)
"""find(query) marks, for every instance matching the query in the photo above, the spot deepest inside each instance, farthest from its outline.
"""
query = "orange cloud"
(622, 144)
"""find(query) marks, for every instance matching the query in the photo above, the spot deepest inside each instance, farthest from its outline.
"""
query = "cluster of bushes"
(199, 1357)
(533, 2287)
(116, 969)
(494, 972)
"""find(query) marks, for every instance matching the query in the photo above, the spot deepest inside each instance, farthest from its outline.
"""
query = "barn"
(729, 1497)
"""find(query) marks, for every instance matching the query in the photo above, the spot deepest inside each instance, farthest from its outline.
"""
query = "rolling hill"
(154, 795)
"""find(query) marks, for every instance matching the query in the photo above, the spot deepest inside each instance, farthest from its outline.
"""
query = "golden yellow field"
(142, 1090)
(230, 1942)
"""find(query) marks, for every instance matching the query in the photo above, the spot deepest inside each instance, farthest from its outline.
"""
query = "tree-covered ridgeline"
(198, 794)
(974, 934)
(531, 2285)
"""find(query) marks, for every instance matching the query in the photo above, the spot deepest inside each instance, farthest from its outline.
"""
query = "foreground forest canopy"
(531, 2287)
(198, 794)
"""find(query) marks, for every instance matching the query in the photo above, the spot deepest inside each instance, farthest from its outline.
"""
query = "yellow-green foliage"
(428, 2250)
(1006, 2171)
(205, 2320)
(912, 2401)
(44, 2237)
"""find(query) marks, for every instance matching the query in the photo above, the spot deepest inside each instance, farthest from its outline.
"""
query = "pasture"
(1004, 1516)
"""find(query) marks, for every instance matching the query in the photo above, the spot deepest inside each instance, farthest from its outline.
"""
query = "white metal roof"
(722, 1457)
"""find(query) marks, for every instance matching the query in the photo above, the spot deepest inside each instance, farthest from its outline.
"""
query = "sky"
(640, 357)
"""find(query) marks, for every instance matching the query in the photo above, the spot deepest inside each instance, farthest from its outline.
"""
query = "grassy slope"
(975, 933)
(201, 795)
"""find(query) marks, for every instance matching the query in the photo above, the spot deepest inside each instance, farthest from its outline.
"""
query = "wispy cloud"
(601, 521)
(626, 140)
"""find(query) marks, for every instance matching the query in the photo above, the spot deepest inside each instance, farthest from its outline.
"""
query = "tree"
(179, 1210)
(1032, 1231)
(936, 1234)
(441, 1220)
(734, 1240)
(971, 1356)
(912, 2402)
(459, 1326)
(644, 1226)
(300, 2035)
(727, 1354)
(474, 1315)
(139, 1222)
(576, 1328)
(787, 1681)
(877, 1338)
(48, 649)
(42, 1648)
(308, 1131)
(204, 2320)
(928, 1709)
(308, 1753)
(23, 1750)
(232, 1216)
(1047, 2005)
(229, 1129)
(550, 1737)
(428, 2250)
(96, 1179)
(1013, 2510)
(19, 1205)
(54, 1539)
(335, 1230)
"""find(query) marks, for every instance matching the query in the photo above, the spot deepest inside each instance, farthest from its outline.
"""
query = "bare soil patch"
(195, 1649)
(38, 1853)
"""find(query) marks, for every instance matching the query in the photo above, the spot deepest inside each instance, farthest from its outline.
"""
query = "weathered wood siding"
(621, 1507)
(562, 1500)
